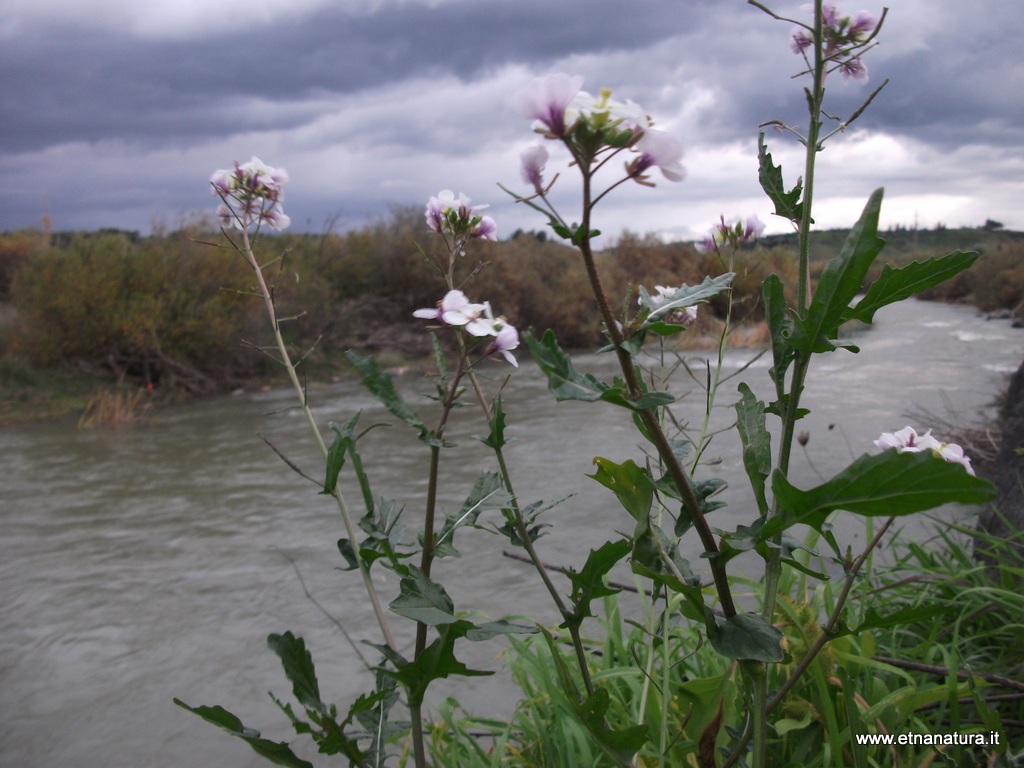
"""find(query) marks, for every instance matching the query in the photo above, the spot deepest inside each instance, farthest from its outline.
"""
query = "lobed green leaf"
(568, 384)
(298, 668)
(885, 484)
(897, 284)
(787, 204)
(423, 600)
(632, 485)
(756, 442)
(382, 385)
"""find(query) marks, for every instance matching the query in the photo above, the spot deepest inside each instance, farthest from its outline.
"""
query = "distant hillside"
(902, 243)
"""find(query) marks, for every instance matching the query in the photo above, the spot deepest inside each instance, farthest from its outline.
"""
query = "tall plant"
(609, 143)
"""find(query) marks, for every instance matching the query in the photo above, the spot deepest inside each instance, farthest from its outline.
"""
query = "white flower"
(545, 99)
(453, 309)
(661, 149)
(907, 440)
(251, 194)
(482, 321)
(605, 112)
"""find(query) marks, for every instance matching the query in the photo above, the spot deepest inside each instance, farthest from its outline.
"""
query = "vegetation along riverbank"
(88, 313)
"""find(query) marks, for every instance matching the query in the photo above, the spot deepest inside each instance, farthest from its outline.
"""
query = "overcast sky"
(115, 112)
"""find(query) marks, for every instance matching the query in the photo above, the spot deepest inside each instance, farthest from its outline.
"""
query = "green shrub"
(160, 310)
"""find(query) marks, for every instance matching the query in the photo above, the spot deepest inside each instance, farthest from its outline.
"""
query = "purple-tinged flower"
(275, 218)
(222, 182)
(251, 195)
(842, 36)
(801, 41)
(732, 232)
(477, 320)
(226, 216)
(506, 338)
(487, 229)
(753, 228)
(454, 216)
(439, 205)
(854, 69)
(546, 98)
(861, 26)
(907, 440)
(532, 162)
(658, 149)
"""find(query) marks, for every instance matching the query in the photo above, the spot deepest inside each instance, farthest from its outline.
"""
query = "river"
(151, 561)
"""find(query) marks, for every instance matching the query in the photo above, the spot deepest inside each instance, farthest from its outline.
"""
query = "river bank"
(67, 391)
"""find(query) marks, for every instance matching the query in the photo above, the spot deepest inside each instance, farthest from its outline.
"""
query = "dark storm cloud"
(63, 84)
(114, 113)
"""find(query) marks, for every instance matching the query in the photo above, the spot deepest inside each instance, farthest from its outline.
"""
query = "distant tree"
(991, 225)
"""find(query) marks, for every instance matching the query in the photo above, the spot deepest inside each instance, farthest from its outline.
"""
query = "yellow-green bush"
(165, 309)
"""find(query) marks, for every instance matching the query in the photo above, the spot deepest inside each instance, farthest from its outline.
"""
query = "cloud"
(115, 112)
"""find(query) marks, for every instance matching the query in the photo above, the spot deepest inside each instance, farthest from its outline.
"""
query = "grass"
(111, 407)
(960, 670)
(28, 394)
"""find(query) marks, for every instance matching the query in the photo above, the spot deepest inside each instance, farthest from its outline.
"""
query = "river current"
(147, 562)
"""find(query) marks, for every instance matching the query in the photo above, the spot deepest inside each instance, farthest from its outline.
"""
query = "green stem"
(350, 530)
(716, 379)
(830, 626)
(524, 536)
(419, 751)
(773, 564)
(647, 415)
(427, 555)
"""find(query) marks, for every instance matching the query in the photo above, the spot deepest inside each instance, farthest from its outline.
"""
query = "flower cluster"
(455, 217)
(732, 233)
(251, 195)
(907, 440)
(478, 320)
(841, 35)
(591, 124)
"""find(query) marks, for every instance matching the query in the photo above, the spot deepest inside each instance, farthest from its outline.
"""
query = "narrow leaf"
(344, 441)
(298, 667)
(588, 584)
(686, 296)
(496, 438)
(756, 442)
(276, 752)
(382, 385)
(568, 384)
(840, 282)
(779, 327)
(435, 662)
(494, 628)
(907, 615)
